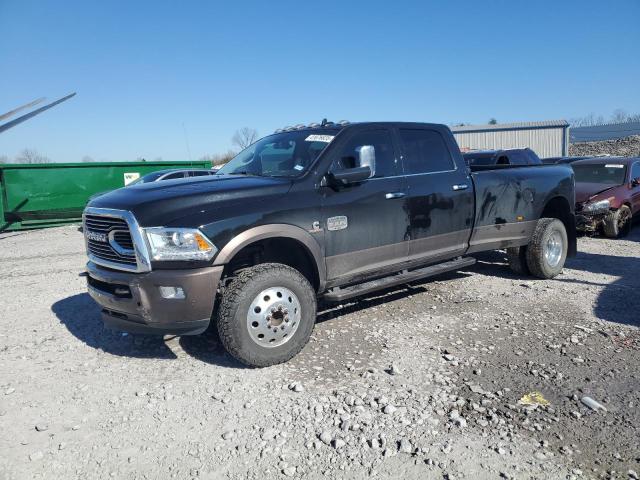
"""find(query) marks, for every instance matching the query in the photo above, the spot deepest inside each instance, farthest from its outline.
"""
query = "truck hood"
(585, 191)
(162, 203)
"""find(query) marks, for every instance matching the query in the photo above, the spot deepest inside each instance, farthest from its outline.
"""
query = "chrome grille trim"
(120, 253)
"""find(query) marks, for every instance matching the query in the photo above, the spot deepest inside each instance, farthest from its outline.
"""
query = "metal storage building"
(548, 139)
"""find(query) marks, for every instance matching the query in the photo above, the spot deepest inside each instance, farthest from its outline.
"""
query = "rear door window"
(425, 151)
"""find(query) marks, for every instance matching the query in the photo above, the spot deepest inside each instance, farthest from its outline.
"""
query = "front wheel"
(266, 314)
(547, 250)
(618, 222)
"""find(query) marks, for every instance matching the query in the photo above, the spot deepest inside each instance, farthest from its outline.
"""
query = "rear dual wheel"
(546, 252)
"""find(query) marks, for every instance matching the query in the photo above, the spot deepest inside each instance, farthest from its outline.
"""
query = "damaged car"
(607, 195)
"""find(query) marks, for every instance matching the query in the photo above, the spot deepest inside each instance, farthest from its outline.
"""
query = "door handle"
(392, 195)
(461, 186)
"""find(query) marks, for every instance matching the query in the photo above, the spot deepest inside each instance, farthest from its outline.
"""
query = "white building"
(547, 139)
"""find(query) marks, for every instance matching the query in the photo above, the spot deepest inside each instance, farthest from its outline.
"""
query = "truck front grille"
(109, 239)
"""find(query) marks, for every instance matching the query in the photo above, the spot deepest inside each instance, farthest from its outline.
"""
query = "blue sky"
(143, 69)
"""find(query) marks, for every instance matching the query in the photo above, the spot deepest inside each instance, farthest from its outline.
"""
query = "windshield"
(286, 154)
(606, 173)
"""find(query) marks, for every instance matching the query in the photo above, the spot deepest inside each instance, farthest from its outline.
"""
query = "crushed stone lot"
(416, 382)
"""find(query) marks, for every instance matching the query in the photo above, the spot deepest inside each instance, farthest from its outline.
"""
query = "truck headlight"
(179, 244)
(597, 207)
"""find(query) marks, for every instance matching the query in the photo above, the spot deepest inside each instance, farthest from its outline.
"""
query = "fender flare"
(275, 230)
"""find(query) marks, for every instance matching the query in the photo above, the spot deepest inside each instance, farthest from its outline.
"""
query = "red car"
(607, 194)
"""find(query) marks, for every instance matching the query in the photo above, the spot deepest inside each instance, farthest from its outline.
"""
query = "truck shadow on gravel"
(618, 301)
(80, 315)
(207, 348)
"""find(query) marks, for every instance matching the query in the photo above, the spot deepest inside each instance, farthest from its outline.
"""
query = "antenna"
(186, 140)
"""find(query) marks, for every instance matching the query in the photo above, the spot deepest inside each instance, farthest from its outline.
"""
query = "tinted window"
(635, 171)
(480, 158)
(534, 159)
(200, 174)
(150, 177)
(425, 152)
(517, 158)
(383, 145)
(173, 176)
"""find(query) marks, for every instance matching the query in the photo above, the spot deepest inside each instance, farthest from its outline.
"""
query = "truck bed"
(509, 199)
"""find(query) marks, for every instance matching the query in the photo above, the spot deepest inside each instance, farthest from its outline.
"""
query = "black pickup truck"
(326, 212)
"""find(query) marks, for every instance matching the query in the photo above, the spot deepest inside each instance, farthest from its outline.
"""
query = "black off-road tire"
(236, 299)
(617, 223)
(517, 258)
(535, 254)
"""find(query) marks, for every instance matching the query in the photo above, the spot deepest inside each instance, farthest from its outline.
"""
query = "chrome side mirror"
(367, 158)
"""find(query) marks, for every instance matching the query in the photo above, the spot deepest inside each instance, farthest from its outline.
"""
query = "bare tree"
(31, 156)
(619, 116)
(244, 137)
(219, 158)
(87, 159)
(587, 121)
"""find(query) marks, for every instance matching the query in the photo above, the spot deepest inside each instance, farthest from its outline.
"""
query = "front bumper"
(589, 223)
(132, 302)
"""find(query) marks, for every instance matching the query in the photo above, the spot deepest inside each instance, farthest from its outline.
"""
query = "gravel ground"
(624, 147)
(417, 382)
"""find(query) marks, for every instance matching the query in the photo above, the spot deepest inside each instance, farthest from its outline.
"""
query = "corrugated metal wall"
(546, 142)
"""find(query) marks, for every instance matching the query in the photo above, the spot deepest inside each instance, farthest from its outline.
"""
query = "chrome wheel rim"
(273, 317)
(553, 249)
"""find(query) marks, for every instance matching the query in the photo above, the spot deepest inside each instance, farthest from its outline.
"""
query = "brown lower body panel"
(133, 302)
(501, 235)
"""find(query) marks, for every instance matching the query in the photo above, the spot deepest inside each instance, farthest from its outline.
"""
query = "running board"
(339, 294)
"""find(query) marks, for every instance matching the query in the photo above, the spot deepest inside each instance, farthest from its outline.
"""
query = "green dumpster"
(50, 194)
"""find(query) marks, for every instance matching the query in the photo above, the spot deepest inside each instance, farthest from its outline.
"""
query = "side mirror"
(367, 157)
(347, 176)
(635, 182)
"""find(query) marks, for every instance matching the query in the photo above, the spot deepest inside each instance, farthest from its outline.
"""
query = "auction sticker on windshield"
(319, 138)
